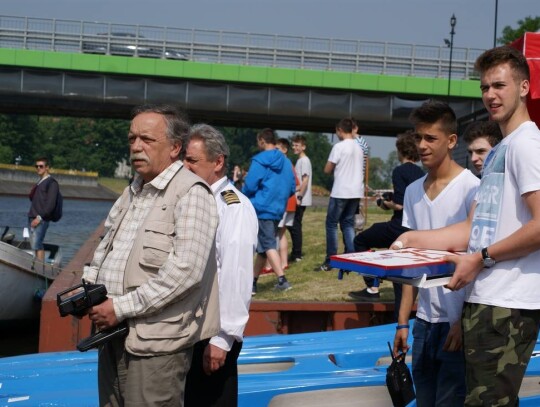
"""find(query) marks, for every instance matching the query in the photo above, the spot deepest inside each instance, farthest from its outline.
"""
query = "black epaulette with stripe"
(230, 197)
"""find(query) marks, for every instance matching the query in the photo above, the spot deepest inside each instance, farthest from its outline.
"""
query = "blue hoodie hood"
(269, 184)
(271, 159)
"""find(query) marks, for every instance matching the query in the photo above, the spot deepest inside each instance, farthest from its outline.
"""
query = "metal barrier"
(228, 47)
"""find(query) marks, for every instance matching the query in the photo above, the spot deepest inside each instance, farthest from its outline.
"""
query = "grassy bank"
(114, 184)
(309, 285)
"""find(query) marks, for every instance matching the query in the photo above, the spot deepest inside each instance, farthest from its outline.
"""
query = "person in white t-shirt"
(500, 273)
(213, 376)
(442, 197)
(346, 162)
(304, 174)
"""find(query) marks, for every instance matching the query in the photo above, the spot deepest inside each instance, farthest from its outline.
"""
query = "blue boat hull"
(302, 369)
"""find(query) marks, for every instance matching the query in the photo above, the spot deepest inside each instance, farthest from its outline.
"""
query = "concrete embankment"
(18, 181)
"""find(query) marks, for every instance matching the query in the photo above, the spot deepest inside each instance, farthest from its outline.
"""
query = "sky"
(423, 22)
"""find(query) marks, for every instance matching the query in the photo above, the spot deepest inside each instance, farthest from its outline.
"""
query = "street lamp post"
(451, 45)
(495, 28)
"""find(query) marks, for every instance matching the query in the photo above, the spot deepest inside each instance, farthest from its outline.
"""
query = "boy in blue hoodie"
(269, 184)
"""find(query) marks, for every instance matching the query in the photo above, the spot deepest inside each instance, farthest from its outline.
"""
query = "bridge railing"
(230, 47)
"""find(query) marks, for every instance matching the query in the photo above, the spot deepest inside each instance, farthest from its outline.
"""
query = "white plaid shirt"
(196, 222)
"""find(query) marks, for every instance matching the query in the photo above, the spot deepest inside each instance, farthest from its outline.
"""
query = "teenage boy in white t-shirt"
(346, 163)
(440, 198)
(304, 174)
(500, 273)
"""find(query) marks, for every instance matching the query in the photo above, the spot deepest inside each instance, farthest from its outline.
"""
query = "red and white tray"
(418, 267)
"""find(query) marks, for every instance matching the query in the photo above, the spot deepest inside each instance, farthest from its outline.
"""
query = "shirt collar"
(219, 185)
(161, 181)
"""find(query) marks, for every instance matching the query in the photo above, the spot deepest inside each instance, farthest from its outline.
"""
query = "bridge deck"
(226, 47)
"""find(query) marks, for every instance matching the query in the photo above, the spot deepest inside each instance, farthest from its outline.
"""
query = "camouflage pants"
(498, 343)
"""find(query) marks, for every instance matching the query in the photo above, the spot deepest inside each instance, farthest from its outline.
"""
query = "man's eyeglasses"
(40, 166)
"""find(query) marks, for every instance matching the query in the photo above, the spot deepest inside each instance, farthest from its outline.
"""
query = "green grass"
(309, 285)
(114, 184)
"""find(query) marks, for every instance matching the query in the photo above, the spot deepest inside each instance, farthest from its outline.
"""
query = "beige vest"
(195, 314)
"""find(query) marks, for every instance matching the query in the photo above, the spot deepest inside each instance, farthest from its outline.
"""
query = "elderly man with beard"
(157, 261)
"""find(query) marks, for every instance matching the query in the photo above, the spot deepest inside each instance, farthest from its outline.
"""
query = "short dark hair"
(346, 125)
(284, 142)
(433, 111)
(268, 135)
(175, 118)
(299, 138)
(488, 129)
(44, 159)
(500, 55)
(406, 146)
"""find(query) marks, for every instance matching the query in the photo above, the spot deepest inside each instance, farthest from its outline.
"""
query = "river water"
(80, 219)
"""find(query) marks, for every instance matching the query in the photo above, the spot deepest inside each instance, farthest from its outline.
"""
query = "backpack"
(56, 215)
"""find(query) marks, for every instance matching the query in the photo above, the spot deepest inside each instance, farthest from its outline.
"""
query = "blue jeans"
(342, 211)
(438, 376)
(37, 235)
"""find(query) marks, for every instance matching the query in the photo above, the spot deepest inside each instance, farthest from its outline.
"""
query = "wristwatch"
(299, 197)
(488, 261)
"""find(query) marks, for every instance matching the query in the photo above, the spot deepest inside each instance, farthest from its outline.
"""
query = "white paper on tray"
(418, 267)
(403, 258)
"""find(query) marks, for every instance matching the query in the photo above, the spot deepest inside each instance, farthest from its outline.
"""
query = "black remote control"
(101, 337)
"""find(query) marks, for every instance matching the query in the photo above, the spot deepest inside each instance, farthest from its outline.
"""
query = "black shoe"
(283, 286)
(294, 259)
(364, 295)
(323, 267)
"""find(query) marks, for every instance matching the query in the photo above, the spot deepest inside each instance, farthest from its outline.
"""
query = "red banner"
(529, 44)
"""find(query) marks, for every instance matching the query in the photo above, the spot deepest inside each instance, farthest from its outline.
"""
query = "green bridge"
(79, 68)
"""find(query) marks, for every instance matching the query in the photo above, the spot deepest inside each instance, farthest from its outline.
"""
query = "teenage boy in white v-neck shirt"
(442, 197)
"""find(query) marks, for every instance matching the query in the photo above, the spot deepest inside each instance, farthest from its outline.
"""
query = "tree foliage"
(69, 143)
(242, 145)
(528, 24)
(380, 171)
(18, 137)
(99, 144)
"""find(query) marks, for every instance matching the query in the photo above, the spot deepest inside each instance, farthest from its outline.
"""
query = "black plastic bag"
(399, 381)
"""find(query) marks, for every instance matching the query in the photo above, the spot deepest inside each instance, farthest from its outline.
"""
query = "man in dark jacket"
(43, 196)
(269, 184)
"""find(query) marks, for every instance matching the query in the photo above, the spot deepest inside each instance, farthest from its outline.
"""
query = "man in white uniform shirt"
(213, 378)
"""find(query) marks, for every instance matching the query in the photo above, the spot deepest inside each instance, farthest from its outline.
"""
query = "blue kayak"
(315, 369)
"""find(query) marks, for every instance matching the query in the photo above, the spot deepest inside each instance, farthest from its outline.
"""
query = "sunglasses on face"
(39, 166)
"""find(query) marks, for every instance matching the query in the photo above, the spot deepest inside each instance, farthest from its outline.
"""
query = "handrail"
(230, 47)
